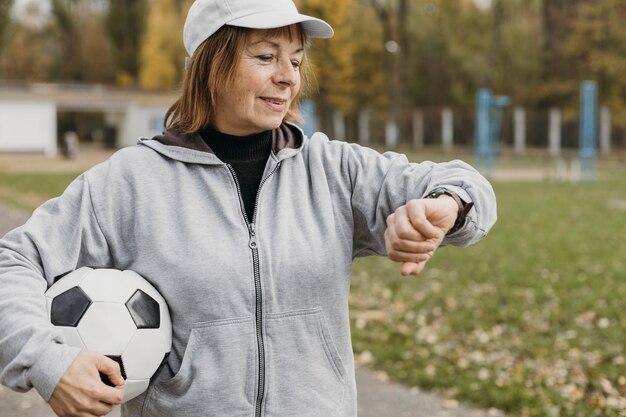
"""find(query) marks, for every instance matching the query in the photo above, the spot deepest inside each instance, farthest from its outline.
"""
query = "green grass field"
(530, 321)
(28, 190)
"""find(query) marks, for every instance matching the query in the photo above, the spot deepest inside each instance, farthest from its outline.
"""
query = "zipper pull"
(252, 243)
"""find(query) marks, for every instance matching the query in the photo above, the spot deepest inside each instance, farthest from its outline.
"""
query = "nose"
(285, 73)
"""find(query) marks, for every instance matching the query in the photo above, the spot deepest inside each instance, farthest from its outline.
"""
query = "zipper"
(258, 319)
(258, 295)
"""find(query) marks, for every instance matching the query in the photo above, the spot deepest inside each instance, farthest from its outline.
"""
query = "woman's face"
(266, 82)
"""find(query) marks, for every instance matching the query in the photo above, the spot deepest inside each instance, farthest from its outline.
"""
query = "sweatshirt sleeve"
(60, 236)
(383, 182)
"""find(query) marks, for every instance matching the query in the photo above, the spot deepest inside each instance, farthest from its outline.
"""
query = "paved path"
(377, 397)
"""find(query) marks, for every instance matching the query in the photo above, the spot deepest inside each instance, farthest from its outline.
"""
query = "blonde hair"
(211, 70)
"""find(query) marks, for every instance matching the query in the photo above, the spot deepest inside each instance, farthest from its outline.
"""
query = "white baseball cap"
(205, 17)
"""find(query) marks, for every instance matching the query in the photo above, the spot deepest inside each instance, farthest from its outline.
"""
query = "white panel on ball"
(109, 285)
(144, 353)
(48, 304)
(134, 388)
(166, 326)
(71, 336)
(107, 328)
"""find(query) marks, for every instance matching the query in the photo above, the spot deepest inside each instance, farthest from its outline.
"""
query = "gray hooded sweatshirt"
(259, 309)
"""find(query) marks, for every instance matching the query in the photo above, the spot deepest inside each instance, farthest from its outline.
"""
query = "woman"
(248, 229)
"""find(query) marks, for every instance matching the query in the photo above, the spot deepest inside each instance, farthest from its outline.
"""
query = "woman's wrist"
(462, 208)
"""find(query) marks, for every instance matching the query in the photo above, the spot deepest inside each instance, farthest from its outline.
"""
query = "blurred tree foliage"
(125, 22)
(67, 32)
(557, 18)
(82, 50)
(385, 54)
(596, 49)
(335, 84)
(161, 52)
(69, 44)
(28, 60)
(5, 22)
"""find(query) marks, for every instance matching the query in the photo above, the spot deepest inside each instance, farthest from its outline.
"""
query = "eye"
(265, 58)
(295, 63)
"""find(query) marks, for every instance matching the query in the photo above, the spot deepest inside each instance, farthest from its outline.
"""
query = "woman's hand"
(81, 392)
(415, 231)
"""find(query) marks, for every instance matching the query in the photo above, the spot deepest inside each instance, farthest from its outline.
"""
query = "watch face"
(438, 192)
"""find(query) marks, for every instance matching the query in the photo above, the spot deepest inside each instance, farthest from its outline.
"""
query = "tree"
(29, 60)
(332, 60)
(5, 20)
(449, 53)
(96, 61)
(596, 49)
(498, 17)
(162, 52)
(556, 16)
(519, 64)
(368, 83)
(66, 65)
(392, 17)
(125, 24)
(81, 50)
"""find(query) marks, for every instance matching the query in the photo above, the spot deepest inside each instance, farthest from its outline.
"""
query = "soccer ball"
(116, 313)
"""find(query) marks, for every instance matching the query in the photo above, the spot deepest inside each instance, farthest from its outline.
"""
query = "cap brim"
(313, 27)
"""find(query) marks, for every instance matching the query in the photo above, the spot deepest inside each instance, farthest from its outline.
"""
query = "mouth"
(275, 103)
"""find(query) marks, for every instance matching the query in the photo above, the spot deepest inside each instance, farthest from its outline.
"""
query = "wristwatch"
(464, 207)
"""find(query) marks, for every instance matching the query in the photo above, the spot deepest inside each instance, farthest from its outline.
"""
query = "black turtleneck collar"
(238, 148)
(247, 155)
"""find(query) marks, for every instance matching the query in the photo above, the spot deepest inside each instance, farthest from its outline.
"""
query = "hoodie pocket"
(216, 376)
(304, 375)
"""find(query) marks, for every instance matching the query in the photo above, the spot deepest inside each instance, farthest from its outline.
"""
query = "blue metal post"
(588, 129)
(488, 126)
(309, 123)
(497, 104)
(482, 145)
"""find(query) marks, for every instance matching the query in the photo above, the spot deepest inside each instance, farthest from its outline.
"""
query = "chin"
(271, 124)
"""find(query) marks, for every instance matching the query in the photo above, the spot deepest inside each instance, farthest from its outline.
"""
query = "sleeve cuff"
(47, 371)
(460, 192)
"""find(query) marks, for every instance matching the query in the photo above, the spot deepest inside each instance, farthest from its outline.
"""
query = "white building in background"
(140, 120)
(28, 126)
(28, 113)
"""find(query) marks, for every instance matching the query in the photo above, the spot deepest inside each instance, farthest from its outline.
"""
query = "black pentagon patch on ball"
(105, 378)
(69, 307)
(58, 277)
(144, 310)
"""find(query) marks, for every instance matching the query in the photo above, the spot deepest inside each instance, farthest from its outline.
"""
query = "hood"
(287, 140)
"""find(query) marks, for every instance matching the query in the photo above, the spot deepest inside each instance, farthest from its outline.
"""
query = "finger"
(400, 256)
(412, 268)
(87, 405)
(109, 395)
(112, 396)
(420, 223)
(101, 394)
(405, 229)
(101, 408)
(404, 245)
(394, 243)
(111, 369)
(105, 393)
(401, 229)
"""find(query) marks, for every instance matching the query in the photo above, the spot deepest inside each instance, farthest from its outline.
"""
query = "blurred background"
(532, 92)
(393, 71)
